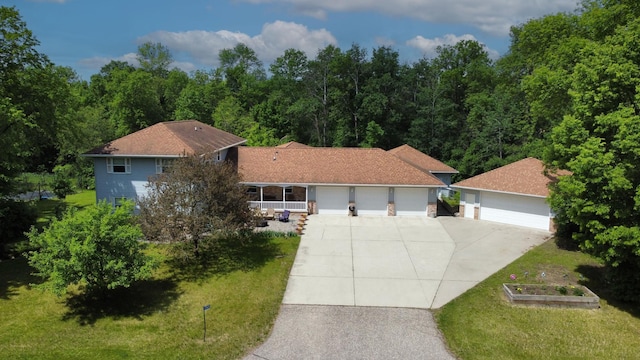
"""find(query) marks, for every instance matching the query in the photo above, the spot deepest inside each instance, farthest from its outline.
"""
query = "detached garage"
(514, 194)
(515, 209)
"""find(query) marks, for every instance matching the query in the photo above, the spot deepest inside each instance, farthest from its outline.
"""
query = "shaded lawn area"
(482, 324)
(157, 319)
(49, 208)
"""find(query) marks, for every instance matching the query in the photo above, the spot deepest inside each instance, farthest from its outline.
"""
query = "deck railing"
(295, 206)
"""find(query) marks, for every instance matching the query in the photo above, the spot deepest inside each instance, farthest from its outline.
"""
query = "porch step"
(301, 222)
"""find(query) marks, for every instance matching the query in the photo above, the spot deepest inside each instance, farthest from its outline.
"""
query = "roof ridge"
(174, 135)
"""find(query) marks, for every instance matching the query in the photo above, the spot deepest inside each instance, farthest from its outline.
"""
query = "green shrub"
(16, 217)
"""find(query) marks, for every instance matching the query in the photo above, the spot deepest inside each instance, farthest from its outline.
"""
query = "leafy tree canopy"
(99, 248)
(194, 204)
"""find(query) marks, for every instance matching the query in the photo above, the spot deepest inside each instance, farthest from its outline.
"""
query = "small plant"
(562, 290)
(577, 291)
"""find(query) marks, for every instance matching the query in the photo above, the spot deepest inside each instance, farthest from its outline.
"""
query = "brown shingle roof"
(293, 145)
(521, 177)
(421, 160)
(171, 138)
(327, 166)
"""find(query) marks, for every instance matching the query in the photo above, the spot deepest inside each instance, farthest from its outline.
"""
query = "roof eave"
(336, 184)
(498, 191)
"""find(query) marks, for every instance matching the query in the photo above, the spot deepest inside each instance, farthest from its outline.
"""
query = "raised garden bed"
(577, 296)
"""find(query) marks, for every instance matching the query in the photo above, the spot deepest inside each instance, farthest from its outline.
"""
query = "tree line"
(567, 91)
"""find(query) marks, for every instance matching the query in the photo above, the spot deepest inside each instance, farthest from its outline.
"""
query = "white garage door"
(469, 205)
(515, 210)
(411, 201)
(332, 200)
(372, 200)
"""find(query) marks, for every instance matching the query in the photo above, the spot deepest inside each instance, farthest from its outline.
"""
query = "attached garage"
(372, 200)
(332, 200)
(411, 201)
(514, 209)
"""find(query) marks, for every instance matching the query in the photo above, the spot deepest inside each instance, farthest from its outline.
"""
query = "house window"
(252, 190)
(117, 202)
(162, 165)
(288, 190)
(119, 165)
(218, 156)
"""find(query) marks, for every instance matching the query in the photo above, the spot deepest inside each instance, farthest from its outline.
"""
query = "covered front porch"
(279, 198)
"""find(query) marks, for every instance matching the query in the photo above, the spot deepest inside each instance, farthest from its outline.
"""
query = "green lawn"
(48, 208)
(481, 324)
(157, 319)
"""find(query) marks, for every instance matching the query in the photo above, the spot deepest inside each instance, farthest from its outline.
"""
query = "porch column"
(261, 197)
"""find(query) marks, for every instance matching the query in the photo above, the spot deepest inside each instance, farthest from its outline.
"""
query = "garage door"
(332, 200)
(372, 200)
(515, 210)
(469, 205)
(411, 201)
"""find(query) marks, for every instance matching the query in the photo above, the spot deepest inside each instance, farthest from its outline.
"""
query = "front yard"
(157, 319)
(482, 324)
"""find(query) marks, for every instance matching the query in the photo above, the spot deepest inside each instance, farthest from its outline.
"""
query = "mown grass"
(157, 319)
(50, 208)
(161, 318)
(481, 324)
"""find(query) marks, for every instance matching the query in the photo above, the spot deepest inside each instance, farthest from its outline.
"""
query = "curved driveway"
(384, 272)
(399, 261)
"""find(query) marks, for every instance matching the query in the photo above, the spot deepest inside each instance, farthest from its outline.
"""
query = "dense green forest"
(567, 91)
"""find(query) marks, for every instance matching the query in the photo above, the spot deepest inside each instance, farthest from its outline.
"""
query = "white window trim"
(127, 166)
(161, 164)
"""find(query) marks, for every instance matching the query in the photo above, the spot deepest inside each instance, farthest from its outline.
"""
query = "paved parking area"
(407, 262)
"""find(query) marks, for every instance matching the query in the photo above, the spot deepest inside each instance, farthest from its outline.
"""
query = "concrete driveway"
(408, 262)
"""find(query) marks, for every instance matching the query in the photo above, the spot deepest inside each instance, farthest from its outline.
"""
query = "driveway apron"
(408, 262)
(384, 272)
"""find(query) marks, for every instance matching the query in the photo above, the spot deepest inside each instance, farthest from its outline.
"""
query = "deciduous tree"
(99, 248)
(195, 203)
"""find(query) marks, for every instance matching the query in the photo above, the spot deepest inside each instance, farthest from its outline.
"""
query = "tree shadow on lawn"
(595, 278)
(228, 254)
(14, 274)
(142, 298)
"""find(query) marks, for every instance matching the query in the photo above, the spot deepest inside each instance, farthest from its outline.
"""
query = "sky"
(87, 34)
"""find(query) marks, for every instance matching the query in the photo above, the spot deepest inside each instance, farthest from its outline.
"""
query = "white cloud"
(491, 16)
(96, 63)
(275, 38)
(428, 47)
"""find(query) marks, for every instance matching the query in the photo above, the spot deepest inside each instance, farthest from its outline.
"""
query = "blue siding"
(445, 178)
(131, 186)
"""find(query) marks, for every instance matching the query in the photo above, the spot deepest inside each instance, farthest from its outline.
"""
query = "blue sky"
(87, 34)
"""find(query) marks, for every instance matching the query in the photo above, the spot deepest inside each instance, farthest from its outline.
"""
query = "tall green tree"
(243, 73)
(136, 103)
(20, 63)
(199, 98)
(155, 58)
(599, 143)
(99, 248)
(316, 107)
